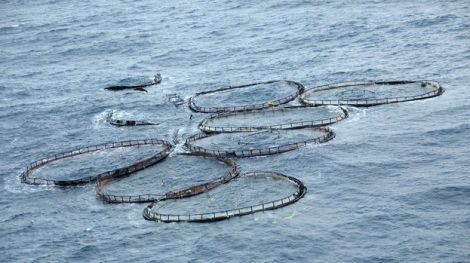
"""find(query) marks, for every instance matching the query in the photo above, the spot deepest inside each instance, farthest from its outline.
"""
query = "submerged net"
(273, 119)
(178, 176)
(246, 97)
(370, 93)
(94, 162)
(249, 144)
(247, 194)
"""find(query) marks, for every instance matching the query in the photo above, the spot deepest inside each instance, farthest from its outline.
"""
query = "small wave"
(356, 114)
(6, 27)
(103, 117)
(426, 22)
(179, 148)
(84, 252)
(58, 30)
(461, 109)
(178, 140)
(235, 7)
(13, 184)
(88, 248)
(18, 216)
(291, 4)
(453, 131)
(441, 195)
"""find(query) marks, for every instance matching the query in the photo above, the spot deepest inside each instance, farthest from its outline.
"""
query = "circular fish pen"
(176, 178)
(363, 94)
(247, 194)
(246, 97)
(249, 144)
(135, 164)
(273, 119)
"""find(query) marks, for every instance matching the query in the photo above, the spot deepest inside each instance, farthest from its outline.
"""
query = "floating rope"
(151, 213)
(27, 175)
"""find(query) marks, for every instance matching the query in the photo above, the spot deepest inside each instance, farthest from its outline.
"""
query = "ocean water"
(392, 186)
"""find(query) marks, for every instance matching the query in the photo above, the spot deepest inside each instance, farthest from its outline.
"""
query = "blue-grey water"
(393, 186)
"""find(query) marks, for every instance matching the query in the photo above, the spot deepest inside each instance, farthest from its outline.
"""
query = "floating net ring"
(259, 143)
(233, 171)
(27, 175)
(246, 97)
(280, 118)
(151, 212)
(119, 122)
(370, 93)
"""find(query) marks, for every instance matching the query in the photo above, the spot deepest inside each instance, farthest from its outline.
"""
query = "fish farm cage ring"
(246, 97)
(250, 144)
(27, 175)
(233, 171)
(28, 178)
(279, 118)
(118, 122)
(363, 94)
(196, 189)
(151, 212)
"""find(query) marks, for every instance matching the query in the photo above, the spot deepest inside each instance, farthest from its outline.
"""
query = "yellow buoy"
(270, 103)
